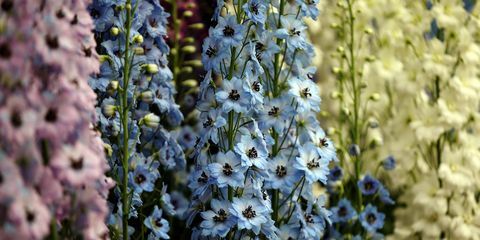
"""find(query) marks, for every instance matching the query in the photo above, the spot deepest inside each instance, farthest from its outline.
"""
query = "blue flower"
(218, 221)
(371, 219)
(156, 22)
(275, 114)
(389, 163)
(336, 173)
(213, 54)
(252, 152)
(102, 14)
(369, 185)
(282, 175)
(325, 146)
(311, 225)
(228, 31)
(256, 11)
(212, 121)
(293, 31)
(354, 150)
(343, 212)
(385, 196)
(143, 179)
(233, 96)
(309, 8)
(199, 183)
(314, 166)
(157, 224)
(305, 93)
(250, 212)
(228, 170)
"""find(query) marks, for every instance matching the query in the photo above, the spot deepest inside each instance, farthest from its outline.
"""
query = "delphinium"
(261, 149)
(52, 165)
(137, 109)
(441, 199)
(359, 202)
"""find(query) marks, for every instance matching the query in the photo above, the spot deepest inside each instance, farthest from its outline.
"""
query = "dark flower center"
(228, 31)
(76, 164)
(203, 178)
(313, 164)
(221, 216)
(208, 123)
(234, 95)
(227, 169)
(87, 51)
(30, 216)
(95, 14)
(7, 5)
(368, 185)
(140, 178)
(305, 93)
(51, 115)
(5, 51)
(342, 211)
(371, 218)
(249, 212)
(294, 31)
(158, 222)
(211, 51)
(252, 153)
(16, 119)
(273, 111)
(281, 171)
(324, 142)
(74, 20)
(60, 14)
(308, 218)
(256, 86)
(259, 48)
(153, 22)
(254, 8)
(52, 42)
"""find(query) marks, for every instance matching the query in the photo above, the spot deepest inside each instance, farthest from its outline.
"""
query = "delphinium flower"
(137, 111)
(355, 184)
(438, 162)
(260, 149)
(52, 164)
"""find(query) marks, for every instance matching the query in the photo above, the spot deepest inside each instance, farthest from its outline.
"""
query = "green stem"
(125, 110)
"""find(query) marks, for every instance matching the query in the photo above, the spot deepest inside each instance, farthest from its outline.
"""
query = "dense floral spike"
(52, 163)
(261, 149)
(355, 187)
(137, 109)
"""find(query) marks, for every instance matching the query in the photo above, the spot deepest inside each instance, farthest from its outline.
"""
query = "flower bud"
(139, 51)
(191, 83)
(375, 97)
(128, 7)
(189, 40)
(147, 96)
(103, 58)
(194, 63)
(114, 31)
(108, 149)
(151, 68)
(368, 31)
(112, 87)
(189, 49)
(138, 39)
(151, 120)
(331, 131)
(354, 150)
(370, 58)
(187, 69)
(336, 70)
(188, 13)
(197, 26)
(109, 110)
(335, 95)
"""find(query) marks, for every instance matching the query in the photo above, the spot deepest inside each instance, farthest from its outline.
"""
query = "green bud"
(138, 39)
(147, 96)
(109, 110)
(197, 26)
(187, 69)
(189, 40)
(190, 83)
(193, 63)
(114, 31)
(151, 120)
(188, 13)
(103, 58)
(151, 68)
(139, 51)
(189, 49)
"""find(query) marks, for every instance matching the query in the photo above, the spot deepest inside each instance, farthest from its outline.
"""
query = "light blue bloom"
(252, 152)
(371, 219)
(227, 170)
(312, 164)
(282, 175)
(213, 54)
(233, 96)
(369, 185)
(143, 179)
(305, 93)
(250, 212)
(228, 31)
(157, 224)
(218, 221)
(343, 212)
(256, 11)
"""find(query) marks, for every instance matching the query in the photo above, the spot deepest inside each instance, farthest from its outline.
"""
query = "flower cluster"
(137, 109)
(52, 163)
(260, 151)
(358, 199)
